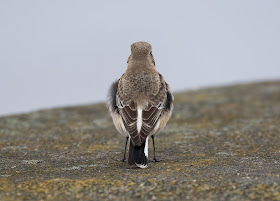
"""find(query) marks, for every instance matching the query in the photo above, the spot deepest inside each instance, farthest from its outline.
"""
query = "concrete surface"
(220, 144)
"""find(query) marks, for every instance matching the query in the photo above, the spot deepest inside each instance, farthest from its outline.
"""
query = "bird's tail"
(138, 155)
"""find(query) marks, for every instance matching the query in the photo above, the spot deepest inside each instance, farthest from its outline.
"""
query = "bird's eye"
(151, 53)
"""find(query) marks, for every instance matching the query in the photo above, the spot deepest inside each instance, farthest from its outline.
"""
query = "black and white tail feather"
(138, 155)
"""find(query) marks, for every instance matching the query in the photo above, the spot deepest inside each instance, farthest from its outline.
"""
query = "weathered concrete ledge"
(220, 144)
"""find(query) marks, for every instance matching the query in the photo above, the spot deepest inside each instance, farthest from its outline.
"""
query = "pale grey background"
(59, 53)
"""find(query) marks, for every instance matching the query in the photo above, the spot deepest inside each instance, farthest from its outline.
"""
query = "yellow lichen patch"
(268, 192)
(200, 154)
(203, 187)
(164, 194)
(203, 162)
(5, 185)
(47, 186)
(176, 167)
(101, 147)
(249, 151)
(131, 184)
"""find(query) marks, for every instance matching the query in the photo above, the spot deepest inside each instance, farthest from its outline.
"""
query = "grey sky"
(59, 53)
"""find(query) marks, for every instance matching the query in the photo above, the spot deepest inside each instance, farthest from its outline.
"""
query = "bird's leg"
(155, 160)
(124, 154)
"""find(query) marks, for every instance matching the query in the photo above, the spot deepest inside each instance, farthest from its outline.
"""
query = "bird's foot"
(155, 160)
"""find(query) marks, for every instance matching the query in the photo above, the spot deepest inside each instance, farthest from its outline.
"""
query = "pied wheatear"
(140, 103)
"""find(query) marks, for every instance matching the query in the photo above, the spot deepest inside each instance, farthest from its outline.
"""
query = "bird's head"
(141, 51)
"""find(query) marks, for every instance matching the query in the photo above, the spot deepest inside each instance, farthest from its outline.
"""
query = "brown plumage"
(140, 103)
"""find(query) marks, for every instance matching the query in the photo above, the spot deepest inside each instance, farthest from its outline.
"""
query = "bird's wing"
(129, 116)
(166, 111)
(150, 119)
(139, 123)
(114, 110)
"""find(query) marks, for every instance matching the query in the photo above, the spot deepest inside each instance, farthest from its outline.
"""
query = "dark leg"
(155, 160)
(124, 158)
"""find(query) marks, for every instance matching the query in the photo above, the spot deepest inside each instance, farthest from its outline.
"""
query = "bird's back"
(140, 85)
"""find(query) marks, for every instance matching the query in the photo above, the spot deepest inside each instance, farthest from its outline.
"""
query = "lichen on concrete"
(220, 144)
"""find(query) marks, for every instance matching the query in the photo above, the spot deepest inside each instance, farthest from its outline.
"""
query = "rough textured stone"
(220, 144)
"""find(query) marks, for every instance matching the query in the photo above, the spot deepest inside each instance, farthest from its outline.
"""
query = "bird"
(140, 103)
